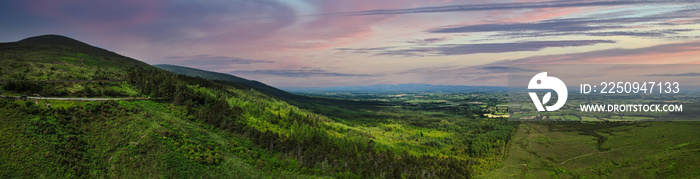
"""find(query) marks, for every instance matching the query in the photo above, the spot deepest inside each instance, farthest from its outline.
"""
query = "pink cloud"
(321, 32)
(543, 14)
(332, 31)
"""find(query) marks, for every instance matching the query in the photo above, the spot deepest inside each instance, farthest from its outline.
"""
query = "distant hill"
(223, 77)
(403, 88)
(57, 40)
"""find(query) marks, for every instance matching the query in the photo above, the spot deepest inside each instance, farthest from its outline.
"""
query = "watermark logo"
(542, 81)
(606, 92)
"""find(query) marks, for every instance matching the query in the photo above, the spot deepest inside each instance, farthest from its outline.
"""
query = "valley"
(166, 121)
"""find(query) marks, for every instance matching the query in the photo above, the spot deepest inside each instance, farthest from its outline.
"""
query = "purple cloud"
(427, 41)
(213, 60)
(465, 49)
(680, 74)
(669, 50)
(499, 6)
(296, 73)
(607, 24)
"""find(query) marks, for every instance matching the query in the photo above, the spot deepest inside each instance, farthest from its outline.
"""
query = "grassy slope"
(135, 139)
(125, 144)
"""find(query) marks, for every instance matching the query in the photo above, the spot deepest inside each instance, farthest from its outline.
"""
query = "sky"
(325, 43)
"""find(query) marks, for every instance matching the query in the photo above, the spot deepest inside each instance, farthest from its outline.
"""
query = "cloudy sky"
(320, 43)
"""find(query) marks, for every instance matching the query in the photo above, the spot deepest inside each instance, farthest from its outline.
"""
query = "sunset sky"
(323, 43)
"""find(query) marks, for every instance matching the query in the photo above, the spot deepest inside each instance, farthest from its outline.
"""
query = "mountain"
(55, 57)
(62, 45)
(224, 77)
(404, 88)
(56, 40)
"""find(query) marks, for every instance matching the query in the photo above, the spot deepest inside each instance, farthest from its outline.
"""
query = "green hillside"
(54, 57)
(158, 124)
(53, 65)
(119, 138)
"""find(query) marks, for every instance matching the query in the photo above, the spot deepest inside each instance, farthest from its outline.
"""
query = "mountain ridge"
(54, 39)
(189, 71)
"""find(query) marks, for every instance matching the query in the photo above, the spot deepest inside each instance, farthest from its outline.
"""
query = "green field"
(607, 150)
